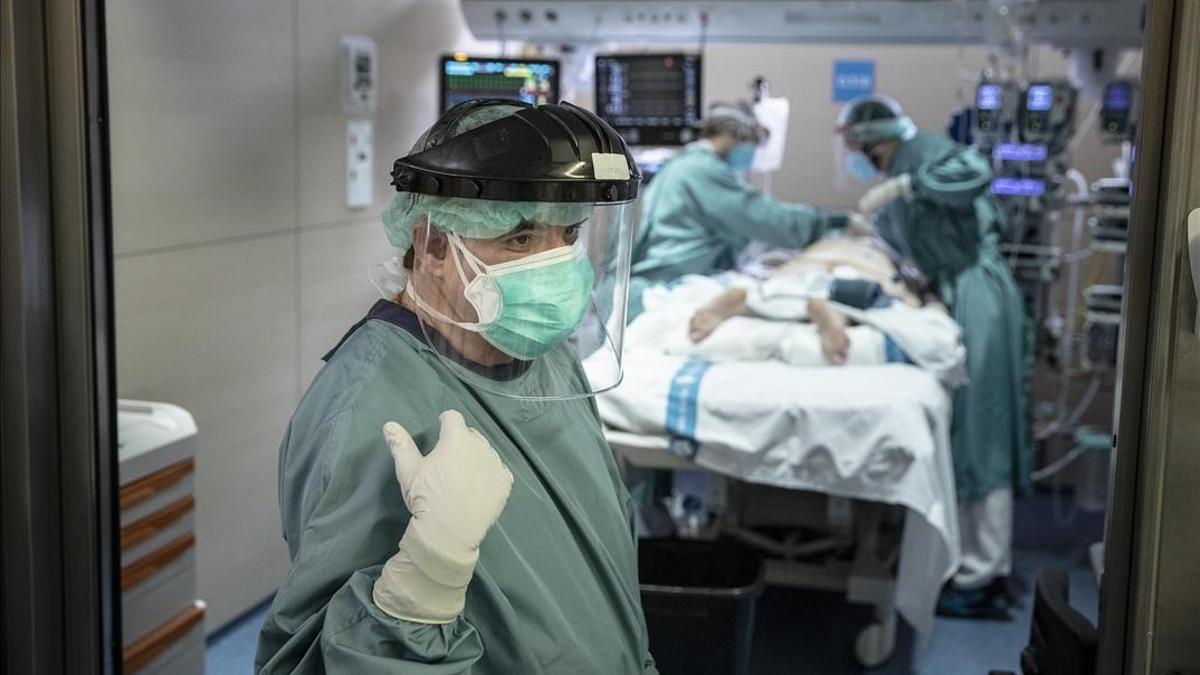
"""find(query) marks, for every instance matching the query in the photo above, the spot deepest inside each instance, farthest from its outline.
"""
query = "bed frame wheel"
(875, 644)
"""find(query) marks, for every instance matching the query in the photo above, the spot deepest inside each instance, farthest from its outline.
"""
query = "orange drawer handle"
(138, 491)
(157, 641)
(144, 528)
(137, 572)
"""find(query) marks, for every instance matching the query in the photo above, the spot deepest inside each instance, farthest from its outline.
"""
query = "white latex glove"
(858, 226)
(454, 494)
(885, 193)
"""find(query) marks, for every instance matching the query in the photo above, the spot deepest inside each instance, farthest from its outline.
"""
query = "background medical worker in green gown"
(448, 499)
(699, 213)
(937, 201)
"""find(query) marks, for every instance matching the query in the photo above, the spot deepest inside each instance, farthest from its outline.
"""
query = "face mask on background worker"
(736, 121)
(861, 167)
(741, 156)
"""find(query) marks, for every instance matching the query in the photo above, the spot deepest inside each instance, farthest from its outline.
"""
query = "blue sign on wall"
(852, 79)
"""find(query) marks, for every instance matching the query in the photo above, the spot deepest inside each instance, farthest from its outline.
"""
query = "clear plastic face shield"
(852, 169)
(862, 126)
(521, 309)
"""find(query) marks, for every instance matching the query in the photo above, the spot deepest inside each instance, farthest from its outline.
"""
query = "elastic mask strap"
(477, 266)
(457, 263)
(411, 291)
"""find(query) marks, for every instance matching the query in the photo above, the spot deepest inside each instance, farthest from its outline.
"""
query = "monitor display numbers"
(1118, 117)
(1118, 96)
(989, 97)
(1018, 187)
(1020, 152)
(1039, 98)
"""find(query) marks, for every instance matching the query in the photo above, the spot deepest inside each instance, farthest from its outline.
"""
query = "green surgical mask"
(525, 307)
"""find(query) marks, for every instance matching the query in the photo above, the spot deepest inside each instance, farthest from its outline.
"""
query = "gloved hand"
(858, 226)
(454, 494)
(885, 193)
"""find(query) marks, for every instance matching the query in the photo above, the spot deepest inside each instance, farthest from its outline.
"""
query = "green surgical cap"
(471, 218)
(732, 118)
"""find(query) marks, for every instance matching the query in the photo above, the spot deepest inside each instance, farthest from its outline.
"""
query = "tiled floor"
(813, 632)
(805, 632)
(231, 650)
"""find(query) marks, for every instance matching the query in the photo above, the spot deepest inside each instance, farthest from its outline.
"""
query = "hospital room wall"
(237, 263)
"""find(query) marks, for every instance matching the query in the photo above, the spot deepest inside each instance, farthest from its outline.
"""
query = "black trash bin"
(700, 599)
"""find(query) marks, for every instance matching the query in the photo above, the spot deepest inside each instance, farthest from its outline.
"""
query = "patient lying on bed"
(842, 301)
(805, 329)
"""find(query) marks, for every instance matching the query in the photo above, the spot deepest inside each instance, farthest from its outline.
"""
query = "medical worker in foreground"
(448, 499)
(699, 212)
(936, 204)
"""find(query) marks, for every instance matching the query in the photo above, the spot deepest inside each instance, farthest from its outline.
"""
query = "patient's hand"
(831, 326)
(730, 302)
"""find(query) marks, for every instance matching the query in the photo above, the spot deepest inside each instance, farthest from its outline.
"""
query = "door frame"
(59, 565)
(1140, 628)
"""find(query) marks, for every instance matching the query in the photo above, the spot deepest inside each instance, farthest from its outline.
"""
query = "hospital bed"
(857, 458)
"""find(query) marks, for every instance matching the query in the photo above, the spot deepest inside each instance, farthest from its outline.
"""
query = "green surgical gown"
(555, 589)
(951, 227)
(698, 214)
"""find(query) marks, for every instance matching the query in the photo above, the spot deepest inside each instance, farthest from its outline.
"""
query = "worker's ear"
(429, 245)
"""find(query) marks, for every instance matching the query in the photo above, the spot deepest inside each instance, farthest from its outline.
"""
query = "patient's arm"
(829, 323)
(809, 344)
(731, 302)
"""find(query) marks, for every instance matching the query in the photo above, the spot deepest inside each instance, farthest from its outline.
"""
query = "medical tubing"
(1056, 467)
(1068, 421)
(1066, 346)
(1081, 191)
(1084, 402)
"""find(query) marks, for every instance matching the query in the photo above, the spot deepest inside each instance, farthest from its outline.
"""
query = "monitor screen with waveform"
(530, 80)
(650, 99)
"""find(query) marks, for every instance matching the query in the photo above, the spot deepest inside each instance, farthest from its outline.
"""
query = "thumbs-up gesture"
(459, 489)
(455, 494)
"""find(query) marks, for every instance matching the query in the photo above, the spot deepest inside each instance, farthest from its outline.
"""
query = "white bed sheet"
(878, 433)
